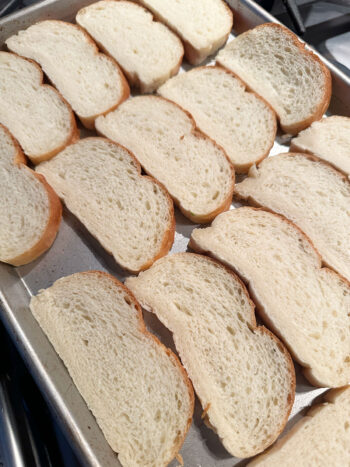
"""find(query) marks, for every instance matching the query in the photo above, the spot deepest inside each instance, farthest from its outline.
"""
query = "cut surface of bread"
(306, 305)
(321, 438)
(134, 386)
(132, 216)
(36, 114)
(272, 61)
(328, 139)
(148, 52)
(242, 374)
(90, 81)
(30, 211)
(310, 193)
(163, 137)
(203, 27)
(242, 123)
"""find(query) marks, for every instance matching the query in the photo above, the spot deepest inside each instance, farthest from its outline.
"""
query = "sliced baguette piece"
(241, 122)
(243, 376)
(328, 139)
(274, 63)
(306, 305)
(165, 140)
(91, 82)
(30, 211)
(203, 27)
(321, 438)
(35, 113)
(148, 52)
(310, 193)
(134, 386)
(132, 216)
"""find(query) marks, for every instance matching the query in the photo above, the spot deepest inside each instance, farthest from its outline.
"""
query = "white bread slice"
(246, 128)
(34, 112)
(272, 61)
(243, 376)
(203, 27)
(321, 438)
(30, 211)
(90, 81)
(328, 139)
(310, 193)
(132, 216)
(306, 305)
(135, 387)
(164, 138)
(148, 52)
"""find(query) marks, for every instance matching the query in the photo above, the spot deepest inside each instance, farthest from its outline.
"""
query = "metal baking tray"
(76, 250)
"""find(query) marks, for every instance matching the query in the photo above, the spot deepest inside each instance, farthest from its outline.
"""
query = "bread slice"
(135, 387)
(34, 112)
(319, 438)
(30, 211)
(164, 138)
(90, 81)
(203, 28)
(130, 215)
(148, 52)
(328, 139)
(310, 193)
(272, 61)
(243, 376)
(246, 128)
(306, 305)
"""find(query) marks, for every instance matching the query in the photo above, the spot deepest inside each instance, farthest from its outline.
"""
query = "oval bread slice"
(310, 193)
(30, 211)
(203, 27)
(328, 139)
(90, 81)
(319, 438)
(148, 52)
(132, 216)
(241, 122)
(164, 138)
(35, 113)
(243, 375)
(306, 305)
(274, 63)
(134, 386)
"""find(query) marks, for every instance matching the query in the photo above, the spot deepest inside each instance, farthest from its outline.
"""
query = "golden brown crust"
(169, 234)
(323, 105)
(175, 360)
(132, 78)
(74, 132)
(53, 221)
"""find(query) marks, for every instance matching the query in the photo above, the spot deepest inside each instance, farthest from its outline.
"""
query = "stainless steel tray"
(76, 250)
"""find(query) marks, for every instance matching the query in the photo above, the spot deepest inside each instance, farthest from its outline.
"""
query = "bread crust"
(74, 132)
(54, 219)
(259, 306)
(195, 56)
(295, 128)
(175, 360)
(254, 328)
(169, 234)
(195, 131)
(242, 168)
(89, 122)
(133, 79)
